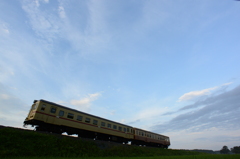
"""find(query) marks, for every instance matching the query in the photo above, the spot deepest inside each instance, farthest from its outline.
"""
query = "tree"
(224, 150)
(235, 149)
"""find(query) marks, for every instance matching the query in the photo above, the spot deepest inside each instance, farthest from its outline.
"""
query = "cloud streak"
(45, 24)
(221, 111)
(195, 94)
(85, 103)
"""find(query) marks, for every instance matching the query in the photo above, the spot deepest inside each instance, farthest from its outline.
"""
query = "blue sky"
(167, 66)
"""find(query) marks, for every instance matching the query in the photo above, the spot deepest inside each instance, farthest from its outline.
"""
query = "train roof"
(81, 112)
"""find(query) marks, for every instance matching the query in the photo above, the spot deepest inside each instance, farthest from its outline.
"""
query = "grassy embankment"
(19, 143)
(156, 157)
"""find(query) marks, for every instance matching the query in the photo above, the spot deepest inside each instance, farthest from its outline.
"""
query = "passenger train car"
(51, 117)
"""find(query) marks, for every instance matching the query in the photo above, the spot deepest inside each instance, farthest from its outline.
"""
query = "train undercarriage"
(58, 129)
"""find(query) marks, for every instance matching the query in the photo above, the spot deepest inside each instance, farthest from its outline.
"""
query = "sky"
(167, 66)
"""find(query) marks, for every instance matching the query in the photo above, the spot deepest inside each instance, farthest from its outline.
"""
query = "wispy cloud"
(220, 111)
(46, 1)
(194, 94)
(4, 30)
(85, 103)
(45, 24)
(61, 12)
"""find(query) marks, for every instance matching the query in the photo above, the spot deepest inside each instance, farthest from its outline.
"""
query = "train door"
(52, 115)
(42, 109)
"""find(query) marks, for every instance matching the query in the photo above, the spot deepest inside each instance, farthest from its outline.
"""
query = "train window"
(95, 122)
(87, 120)
(125, 129)
(139, 133)
(70, 116)
(103, 124)
(142, 134)
(53, 110)
(79, 118)
(120, 128)
(114, 127)
(61, 113)
(109, 126)
(43, 107)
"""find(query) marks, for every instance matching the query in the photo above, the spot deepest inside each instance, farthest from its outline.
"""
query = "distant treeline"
(235, 150)
(224, 150)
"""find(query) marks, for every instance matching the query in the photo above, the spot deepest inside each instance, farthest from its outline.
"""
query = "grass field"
(159, 157)
(33, 145)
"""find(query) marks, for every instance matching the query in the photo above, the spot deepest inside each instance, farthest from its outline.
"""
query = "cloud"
(220, 111)
(85, 103)
(4, 30)
(12, 109)
(4, 96)
(45, 23)
(194, 94)
(133, 122)
(46, 1)
(61, 12)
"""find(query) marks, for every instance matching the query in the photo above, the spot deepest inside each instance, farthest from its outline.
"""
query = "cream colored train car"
(143, 137)
(52, 117)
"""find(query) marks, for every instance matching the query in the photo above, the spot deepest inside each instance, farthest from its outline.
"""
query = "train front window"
(34, 106)
(53, 110)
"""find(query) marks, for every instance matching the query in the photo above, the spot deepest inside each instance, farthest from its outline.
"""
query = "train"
(55, 118)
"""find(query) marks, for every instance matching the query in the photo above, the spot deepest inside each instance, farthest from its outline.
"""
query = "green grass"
(29, 144)
(158, 157)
